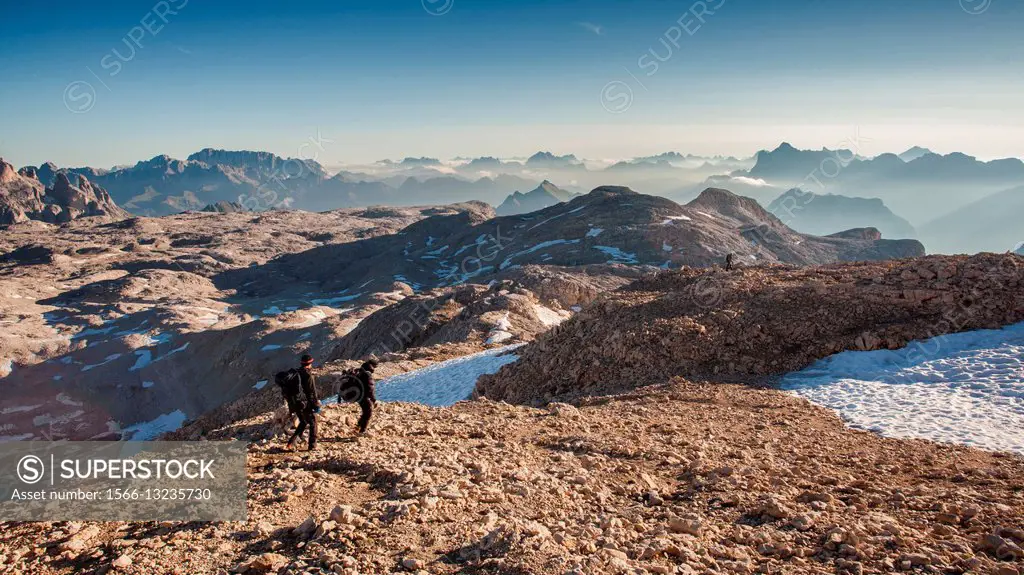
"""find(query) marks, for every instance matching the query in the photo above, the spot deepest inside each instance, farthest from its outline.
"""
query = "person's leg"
(299, 412)
(364, 419)
(298, 432)
(312, 431)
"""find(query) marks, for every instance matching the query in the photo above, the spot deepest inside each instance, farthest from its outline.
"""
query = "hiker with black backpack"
(294, 383)
(357, 385)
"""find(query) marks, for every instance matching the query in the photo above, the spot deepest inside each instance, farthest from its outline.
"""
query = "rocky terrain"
(113, 325)
(610, 225)
(660, 464)
(679, 478)
(23, 197)
(756, 322)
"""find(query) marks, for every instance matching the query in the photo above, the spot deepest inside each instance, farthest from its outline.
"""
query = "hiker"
(293, 383)
(728, 261)
(358, 386)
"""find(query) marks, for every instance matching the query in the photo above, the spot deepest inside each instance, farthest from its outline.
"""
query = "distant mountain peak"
(548, 159)
(914, 153)
(424, 161)
(545, 195)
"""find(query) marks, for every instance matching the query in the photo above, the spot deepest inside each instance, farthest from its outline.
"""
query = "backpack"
(350, 387)
(290, 382)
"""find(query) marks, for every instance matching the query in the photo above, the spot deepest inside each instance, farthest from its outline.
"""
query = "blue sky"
(387, 78)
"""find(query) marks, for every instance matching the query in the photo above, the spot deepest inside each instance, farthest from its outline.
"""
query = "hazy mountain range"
(920, 190)
(916, 189)
(991, 224)
(823, 214)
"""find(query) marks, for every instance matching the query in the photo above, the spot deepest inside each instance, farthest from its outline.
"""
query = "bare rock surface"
(758, 321)
(678, 478)
(107, 325)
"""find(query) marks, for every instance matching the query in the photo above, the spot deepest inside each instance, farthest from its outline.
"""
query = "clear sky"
(113, 82)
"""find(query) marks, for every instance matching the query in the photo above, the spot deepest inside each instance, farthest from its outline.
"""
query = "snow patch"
(270, 347)
(618, 256)
(150, 430)
(109, 358)
(665, 247)
(965, 388)
(261, 384)
(332, 302)
(145, 358)
(594, 232)
(540, 246)
(671, 219)
(446, 382)
(19, 409)
(502, 331)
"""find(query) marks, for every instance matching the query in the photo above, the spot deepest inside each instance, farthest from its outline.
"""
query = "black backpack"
(350, 387)
(290, 382)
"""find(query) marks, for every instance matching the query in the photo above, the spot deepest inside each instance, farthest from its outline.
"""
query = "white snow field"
(446, 382)
(965, 388)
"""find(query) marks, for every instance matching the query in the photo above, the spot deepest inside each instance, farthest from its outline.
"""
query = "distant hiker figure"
(728, 261)
(357, 387)
(295, 383)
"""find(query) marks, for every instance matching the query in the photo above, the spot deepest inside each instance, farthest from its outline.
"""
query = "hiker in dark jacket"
(358, 386)
(292, 383)
(729, 261)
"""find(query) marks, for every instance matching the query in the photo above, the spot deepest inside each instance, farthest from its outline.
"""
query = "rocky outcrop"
(756, 322)
(24, 197)
(224, 207)
(21, 195)
(502, 313)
